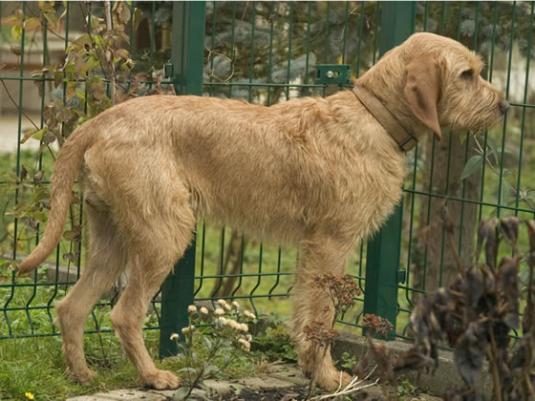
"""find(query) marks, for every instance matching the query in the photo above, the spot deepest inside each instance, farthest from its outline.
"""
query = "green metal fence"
(267, 52)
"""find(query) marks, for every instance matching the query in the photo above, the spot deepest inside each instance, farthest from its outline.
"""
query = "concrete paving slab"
(133, 395)
(123, 395)
(88, 398)
(265, 383)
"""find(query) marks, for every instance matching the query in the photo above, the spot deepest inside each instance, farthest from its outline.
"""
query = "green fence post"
(187, 56)
(382, 261)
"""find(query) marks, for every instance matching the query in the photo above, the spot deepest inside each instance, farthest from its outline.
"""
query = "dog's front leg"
(312, 304)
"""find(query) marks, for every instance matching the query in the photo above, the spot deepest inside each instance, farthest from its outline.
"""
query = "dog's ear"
(422, 91)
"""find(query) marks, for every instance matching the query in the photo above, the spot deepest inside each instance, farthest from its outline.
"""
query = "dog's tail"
(66, 170)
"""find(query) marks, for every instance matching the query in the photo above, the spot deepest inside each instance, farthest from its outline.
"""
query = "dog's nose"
(504, 106)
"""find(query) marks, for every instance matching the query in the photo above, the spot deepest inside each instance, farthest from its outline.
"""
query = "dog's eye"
(467, 74)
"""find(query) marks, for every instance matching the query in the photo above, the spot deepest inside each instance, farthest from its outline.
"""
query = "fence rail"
(263, 52)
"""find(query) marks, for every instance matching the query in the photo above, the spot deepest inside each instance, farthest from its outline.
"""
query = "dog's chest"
(367, 192)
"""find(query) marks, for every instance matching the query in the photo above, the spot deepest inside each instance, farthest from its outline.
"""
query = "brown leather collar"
(405, 140)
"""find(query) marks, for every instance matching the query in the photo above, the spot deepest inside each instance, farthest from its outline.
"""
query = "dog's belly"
(283, 224)
(288, 219)
(257, 205)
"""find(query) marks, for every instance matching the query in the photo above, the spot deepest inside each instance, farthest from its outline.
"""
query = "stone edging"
(444, 378)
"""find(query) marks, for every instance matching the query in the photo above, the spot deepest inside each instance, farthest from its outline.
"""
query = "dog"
(322, 173)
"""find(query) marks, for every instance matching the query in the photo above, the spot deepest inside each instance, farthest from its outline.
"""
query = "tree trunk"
(445, 223)
(231, 266)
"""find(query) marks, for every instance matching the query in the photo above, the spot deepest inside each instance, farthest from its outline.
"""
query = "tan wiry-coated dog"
(319, 172)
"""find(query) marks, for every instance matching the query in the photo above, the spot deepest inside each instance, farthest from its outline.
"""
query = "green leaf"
(92, 63)
(207, 342)
(472, 165)
(121, 54)
(210, 371)
(506, 152)
(16, 31)
(181, 394)
(34, 133)
(189, 371)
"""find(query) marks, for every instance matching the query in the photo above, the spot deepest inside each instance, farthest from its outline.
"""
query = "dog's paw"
(82, 376)
(161, 380)
(332, 380)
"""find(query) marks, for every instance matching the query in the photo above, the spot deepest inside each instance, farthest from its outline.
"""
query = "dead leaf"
(509, 292)
(469, 353)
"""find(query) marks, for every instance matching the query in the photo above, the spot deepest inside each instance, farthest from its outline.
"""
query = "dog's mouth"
(485, 125)
(486, 119)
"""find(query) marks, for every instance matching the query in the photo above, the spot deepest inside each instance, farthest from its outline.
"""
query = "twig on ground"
(354, 385)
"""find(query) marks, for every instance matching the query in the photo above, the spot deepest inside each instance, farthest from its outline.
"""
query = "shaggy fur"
(318, 172)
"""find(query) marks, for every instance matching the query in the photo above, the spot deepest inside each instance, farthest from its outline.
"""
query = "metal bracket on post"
(382, 261)
(186, 67)
(333, 74)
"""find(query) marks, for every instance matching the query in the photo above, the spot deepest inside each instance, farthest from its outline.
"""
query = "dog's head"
(443, 87)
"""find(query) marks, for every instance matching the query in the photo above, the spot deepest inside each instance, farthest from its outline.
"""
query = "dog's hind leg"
(316, 258)
(157, 223)
(147, 268)
(105, 262)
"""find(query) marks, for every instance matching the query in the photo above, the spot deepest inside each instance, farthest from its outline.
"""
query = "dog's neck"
(387, 92)
(403, 136)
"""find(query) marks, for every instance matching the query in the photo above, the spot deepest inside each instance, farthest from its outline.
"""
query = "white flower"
(174, 337)
(249, 337)
(249, 314)
(224, 322)
(224, 304)
(246, 345)
(243, 327)
(231, 323)
(236, 305)
(203, 310)
(192, 309)
(187, 330)
(234, 325)
(219, 312)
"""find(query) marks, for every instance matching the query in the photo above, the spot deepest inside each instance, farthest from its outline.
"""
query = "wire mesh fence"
(262, 52)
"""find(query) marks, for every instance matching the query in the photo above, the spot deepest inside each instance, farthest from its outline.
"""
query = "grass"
(36, 365)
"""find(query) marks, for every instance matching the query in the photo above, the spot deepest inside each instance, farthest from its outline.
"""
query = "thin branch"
(354, 385)
(109, 28)
(492, 354)
(17, 105)
(494, 169)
